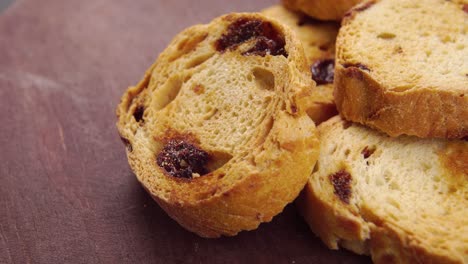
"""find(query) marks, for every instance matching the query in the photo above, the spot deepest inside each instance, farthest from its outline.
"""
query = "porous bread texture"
(239, 108)
(322, 9)
(318, 39)
(408, 197)
(402, 67)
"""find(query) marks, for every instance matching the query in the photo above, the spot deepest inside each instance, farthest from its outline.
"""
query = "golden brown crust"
(322, 9)
(260, 195)
(260, 143)
(402, 89)
(426, 114)
(389, 234)
(387, 245)
(328, 222)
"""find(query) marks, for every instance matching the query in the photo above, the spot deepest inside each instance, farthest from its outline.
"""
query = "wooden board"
(67, 194)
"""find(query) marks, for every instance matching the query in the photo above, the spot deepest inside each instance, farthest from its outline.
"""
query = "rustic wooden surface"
(67, 194)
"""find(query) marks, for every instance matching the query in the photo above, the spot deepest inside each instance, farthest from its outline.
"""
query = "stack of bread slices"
(221, 131)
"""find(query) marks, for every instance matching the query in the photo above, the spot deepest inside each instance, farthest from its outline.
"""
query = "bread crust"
(423, 113)
(421, 108)
(252, 175)
(322, 9)
(365, 228)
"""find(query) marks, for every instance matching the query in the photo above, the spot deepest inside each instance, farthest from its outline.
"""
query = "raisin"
(138, 113)
(323, 71)
(181, 159)
(465, 8)
(264, 46)
(341, 181)
(267, 39)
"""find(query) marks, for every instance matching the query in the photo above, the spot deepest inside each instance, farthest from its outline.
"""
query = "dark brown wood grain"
(67, 194)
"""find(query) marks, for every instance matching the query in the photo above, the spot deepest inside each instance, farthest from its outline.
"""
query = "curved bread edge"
(322, 9)
(361, 225)
(422, 113)
(264, 179)
(367, 91)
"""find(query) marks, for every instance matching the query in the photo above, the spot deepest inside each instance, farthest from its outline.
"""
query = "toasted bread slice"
(214, 131)
(402, 67)
(318, 39)
(322, 9)
(401, 200)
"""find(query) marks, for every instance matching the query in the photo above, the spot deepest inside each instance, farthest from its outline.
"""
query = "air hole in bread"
(218, 159)
(316, 167)
(187, 45)
(367, 151)
(283, 106)
(386, 35)
(333, 150)
(425, 167)
(394, 185)
(379, 181)
(127, 143)
(138, 113)
(197, 61)
(391, 201)
(134, 95)
(264, 79)
(267, 101)
(167, 92)
(347, 151)
(210, 113)
(402, 88)
(452, 189)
